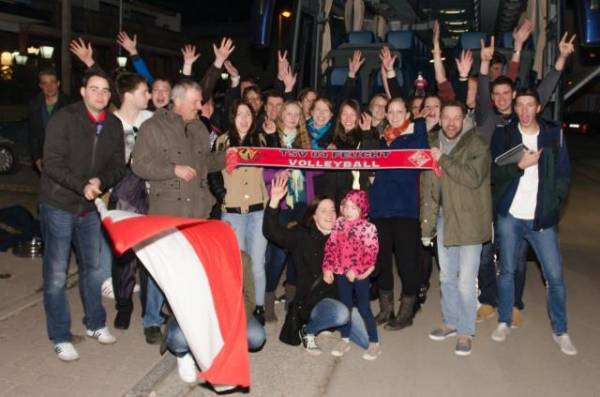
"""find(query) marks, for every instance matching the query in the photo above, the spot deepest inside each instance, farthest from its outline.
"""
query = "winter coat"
(306, 245)
(463, 191)
(554, 172)
(164, 141)
(75, 151)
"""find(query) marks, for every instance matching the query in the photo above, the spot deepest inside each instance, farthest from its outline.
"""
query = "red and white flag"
(198, 266)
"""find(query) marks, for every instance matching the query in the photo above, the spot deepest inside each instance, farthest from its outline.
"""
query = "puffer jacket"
(164, 141)
(463, 191)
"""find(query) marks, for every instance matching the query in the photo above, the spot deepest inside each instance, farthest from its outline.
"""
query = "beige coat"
(465, 192)
(163, 142)
(245, 186)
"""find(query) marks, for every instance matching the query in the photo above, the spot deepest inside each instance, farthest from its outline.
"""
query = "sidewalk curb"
(153, 378)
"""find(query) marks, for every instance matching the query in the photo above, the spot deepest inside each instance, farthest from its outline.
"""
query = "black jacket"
(37, 122)
(74, 153)
(307, 245)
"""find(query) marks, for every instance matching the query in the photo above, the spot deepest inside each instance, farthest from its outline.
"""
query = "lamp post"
(46, 51)
(283, 14)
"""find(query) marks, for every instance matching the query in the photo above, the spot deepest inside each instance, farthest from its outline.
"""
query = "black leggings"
(400, 237)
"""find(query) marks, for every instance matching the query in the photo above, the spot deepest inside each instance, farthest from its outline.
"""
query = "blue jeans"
(488, 276)
(458, 278)
(178, 345)
(511, 233)
(106, 256)
(331, 313)
(248, 230)
(360, 288)
(154, 302)
(60, 229)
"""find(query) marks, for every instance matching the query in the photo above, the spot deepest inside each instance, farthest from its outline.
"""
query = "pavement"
(528, 363)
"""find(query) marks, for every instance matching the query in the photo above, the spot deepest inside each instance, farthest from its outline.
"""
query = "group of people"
(172, 161)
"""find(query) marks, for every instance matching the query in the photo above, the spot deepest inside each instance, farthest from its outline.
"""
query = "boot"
(290, 294)
(270, 316)
(405, 314)
(386, 307)
(259, 314)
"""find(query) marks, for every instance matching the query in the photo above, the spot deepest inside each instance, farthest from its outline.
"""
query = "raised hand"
(278, 188)
(487, 52)
(521, 34)
(565, 48)
(189, 54)
(436, 34)
(223, 51)
(365, 121)
(128, 43)
(282, 64)
(464, 63)
(233, 72)
(387, 60)
(82, 51)
(355, 63)
(289, 79)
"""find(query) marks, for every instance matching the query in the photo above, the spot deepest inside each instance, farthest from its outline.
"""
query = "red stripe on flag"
(216, 245)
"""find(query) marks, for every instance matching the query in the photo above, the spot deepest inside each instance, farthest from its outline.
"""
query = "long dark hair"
(308, 219)
(251, 138)
(352, 137)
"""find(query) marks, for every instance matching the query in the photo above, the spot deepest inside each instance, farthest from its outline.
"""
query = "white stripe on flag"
(173, 263)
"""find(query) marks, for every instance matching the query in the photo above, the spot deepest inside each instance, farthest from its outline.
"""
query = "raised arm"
(190, 56)
(463, 65)
(222, 53)
(354, 65)
(129, 44)
(546, 87)
(388, 60)
(520, 36)
(484, 107)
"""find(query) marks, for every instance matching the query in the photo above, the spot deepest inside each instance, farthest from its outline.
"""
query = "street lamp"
(46, 51)
(21, 59)
(122, 61)
(33, 50)
(283, 14)
(6, 58)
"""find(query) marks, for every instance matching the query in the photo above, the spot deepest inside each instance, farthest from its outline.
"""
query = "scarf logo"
(247, 154)
(419, 158)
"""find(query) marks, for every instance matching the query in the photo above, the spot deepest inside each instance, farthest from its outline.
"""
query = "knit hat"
(361, 199)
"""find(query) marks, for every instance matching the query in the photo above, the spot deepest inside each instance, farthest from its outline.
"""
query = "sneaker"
(442, 333)
(103, 335)
(153, 335)
(463, 346)
(485, 312)
(517, 321)
(66, 351)
(501, 332)
(107, 289)
(566, 346)
(136, 288)
(186, 368)
(341, 348)
(309, 342)
(372, 352)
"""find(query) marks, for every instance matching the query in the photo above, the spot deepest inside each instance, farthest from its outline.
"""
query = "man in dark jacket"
(41, 108)
(83, 155)
(527, 198)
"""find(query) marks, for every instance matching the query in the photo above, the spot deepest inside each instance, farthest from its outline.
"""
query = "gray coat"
(163, 142)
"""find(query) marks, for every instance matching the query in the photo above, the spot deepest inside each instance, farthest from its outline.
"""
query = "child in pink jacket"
(350, 255)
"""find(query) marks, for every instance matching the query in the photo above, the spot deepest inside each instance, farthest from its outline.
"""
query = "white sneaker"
(501, 332)
(107, 289)
(103, 335)
(66, 351)
(342, 347)
(186, 367)
(372, 352)
(566, 346)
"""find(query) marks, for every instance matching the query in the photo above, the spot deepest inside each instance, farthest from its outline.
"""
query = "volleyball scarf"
(336, 159)
(198, 266)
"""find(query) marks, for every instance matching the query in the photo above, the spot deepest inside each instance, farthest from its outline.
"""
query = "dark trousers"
(124, 268)
(359, 289)
(400, 237)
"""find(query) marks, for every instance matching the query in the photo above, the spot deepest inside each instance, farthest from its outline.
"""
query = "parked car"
(9, 159)
(581, 123)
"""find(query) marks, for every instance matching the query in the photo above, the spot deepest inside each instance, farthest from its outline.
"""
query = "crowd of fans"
(153, 145)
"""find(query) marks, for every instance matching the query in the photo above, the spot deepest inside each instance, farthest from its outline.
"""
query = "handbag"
(290, 331)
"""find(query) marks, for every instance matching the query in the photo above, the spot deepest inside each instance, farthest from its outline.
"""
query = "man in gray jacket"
(173, 155)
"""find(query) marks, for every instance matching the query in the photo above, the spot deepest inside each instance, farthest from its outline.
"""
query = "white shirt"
(525, 200)
(128, 129)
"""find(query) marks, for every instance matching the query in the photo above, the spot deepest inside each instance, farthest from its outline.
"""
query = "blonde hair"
(302, 140)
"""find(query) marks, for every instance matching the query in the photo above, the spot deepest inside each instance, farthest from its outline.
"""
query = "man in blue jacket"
(527, 199)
